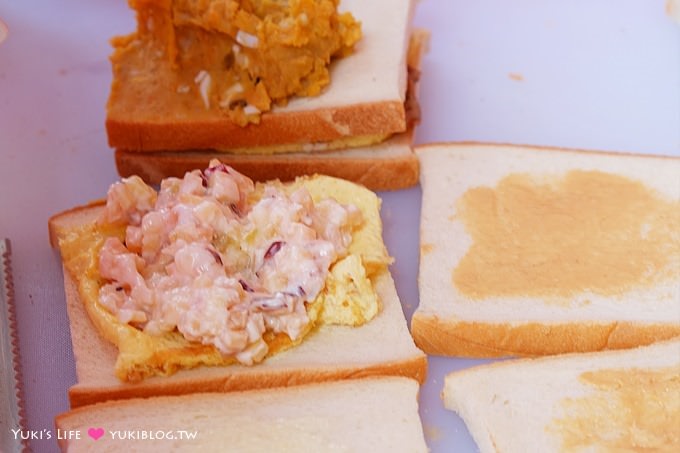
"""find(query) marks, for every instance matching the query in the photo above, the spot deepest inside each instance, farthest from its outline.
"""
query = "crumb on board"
(432, 433)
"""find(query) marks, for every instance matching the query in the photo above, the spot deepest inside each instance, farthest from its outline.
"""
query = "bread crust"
(373, 170)
(57, 222)
(423, 147)
(276, 128)
(453, 337)
(79, 396)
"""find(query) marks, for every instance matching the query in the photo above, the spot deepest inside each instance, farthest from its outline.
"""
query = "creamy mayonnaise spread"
(218, 259)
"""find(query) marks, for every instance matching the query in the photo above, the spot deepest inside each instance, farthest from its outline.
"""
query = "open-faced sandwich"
(532, 250)
(210, 278)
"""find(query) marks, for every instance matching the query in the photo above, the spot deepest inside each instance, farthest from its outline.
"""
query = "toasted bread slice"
(530, 251)
(372, 414)
(389, 165)
(604, 401)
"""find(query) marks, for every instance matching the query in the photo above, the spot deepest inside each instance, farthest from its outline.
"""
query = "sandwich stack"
(167, 114)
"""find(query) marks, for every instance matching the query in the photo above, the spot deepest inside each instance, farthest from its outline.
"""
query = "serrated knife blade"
(12, 418)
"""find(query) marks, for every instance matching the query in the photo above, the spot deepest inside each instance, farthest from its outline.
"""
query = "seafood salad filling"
(219, 259)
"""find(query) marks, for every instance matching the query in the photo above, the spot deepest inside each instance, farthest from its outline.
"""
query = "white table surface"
(601, 75)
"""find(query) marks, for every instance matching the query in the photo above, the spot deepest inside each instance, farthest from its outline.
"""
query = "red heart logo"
(95, 433)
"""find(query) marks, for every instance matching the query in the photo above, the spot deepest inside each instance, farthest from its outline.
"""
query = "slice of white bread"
(388, 165)
(364, 98)
(381, 347)
(530, 251)
(372, 414)
(603, 401)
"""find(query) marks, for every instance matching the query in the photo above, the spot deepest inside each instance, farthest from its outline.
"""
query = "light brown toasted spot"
(586, 231)
(426, 248)
(633, 410)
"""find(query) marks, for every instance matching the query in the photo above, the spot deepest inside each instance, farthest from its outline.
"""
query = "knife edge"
(9, 311)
